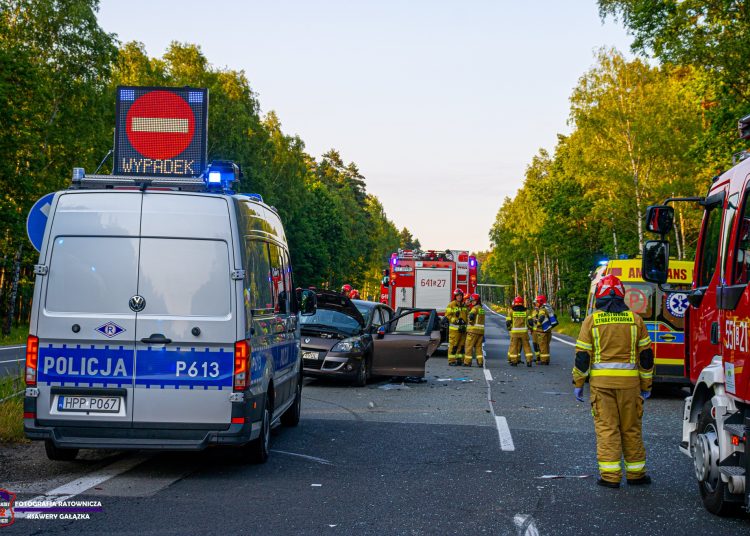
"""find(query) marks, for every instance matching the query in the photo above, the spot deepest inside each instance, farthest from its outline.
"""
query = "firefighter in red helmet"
(354, 294)
(475, 331)
(346, 289)
(457, 314)
(517, 323)
(614, 351)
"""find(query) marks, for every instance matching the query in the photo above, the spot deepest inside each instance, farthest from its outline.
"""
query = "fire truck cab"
(716, 417)
(427, 279)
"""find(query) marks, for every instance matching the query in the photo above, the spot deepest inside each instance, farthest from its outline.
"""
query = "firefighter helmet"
(609, 285)
(518, 300)
(346, 289)
(354, 294)
(458, 292)
(475, 298)
(541, 299)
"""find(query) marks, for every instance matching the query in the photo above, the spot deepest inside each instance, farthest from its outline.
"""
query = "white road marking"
(563, 341)
(487, 375)
(78, 486)
(12, 347)
(12, 361)
(506, 440)
(305, 456)
(526, 525)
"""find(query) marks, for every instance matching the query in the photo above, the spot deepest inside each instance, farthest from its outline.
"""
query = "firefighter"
(354, 294)
(614, 351)
(535, 330)
(518, 325)
(346, 289)
(457, 314)
(475, 331)
(544, 322)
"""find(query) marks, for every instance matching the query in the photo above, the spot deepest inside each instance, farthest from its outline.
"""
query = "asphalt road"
(428, 458)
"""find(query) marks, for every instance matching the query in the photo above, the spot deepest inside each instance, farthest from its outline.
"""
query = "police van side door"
(186, 329)
(85, 326)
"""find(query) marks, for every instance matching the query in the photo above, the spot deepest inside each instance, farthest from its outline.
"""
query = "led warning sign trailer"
(161, 131)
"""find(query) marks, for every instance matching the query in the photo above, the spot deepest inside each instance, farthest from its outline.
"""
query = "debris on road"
(394, 387)
(462, 380)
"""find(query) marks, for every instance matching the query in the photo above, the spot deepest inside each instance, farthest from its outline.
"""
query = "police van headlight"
(352, 344)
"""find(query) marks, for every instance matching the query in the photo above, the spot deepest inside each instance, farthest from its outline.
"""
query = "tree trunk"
(13, 292)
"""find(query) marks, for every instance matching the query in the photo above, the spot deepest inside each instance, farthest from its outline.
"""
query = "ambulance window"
(278, 280)
(258, 295)
(183, 277)
(92, 274)
(742, 254)
(710, 248)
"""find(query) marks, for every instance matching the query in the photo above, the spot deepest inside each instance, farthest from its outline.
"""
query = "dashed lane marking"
(506, 440)
(487, 375)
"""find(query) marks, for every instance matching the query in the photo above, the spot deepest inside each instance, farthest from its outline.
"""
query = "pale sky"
(441, 104)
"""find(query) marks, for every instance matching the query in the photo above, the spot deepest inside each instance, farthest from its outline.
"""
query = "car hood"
(337, 302)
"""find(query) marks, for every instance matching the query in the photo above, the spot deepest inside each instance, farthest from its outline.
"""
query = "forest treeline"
(58, 74)
(660, 125)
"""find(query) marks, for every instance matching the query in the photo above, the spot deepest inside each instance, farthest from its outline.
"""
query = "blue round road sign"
(37, 220)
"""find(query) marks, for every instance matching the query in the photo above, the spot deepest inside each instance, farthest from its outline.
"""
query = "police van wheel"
(259, 449)
(58, 454)
(291, 415)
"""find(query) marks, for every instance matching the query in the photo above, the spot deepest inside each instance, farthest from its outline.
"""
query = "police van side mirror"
(659, 219)
(308, 302)
(655, 264)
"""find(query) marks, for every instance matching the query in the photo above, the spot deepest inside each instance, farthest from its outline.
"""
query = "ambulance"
(663, 312)
(164, 317)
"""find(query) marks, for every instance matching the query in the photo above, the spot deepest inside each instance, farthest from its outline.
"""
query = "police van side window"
(278, 280)
(710, 249)
(258, 296)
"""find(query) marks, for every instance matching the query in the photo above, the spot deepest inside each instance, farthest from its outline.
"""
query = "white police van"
(164, 317)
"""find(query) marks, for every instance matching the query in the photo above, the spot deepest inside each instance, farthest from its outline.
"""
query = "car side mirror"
(659, 219)
(655, 264)
(308, 302)
(381, 332)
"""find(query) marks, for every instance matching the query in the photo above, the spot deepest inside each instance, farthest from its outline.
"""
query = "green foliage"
(58, 75)
(633, 144)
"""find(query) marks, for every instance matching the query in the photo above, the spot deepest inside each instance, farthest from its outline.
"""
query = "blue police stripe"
(158, 367)
(85, 366)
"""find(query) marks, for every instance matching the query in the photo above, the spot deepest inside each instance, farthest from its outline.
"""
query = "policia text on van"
(163, 318)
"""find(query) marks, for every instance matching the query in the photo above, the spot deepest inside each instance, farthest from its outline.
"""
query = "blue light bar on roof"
(221, 175)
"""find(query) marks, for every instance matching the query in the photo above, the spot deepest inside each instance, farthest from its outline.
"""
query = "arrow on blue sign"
(37, 220)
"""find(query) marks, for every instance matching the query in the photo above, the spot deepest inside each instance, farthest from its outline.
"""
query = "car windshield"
(327, 319)
(365, 312)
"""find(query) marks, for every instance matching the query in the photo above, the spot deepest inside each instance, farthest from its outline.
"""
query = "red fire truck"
(427, 279)
(716, 418)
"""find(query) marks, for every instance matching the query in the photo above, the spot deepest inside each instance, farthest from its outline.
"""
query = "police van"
(164, 317)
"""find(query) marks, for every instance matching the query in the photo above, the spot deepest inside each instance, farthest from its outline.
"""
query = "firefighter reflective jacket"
(614, 349)
(517, 319)
(476, 319)
(457, 314)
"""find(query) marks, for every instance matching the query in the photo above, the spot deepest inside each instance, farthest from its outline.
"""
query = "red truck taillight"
(241, 365)
(32, 358)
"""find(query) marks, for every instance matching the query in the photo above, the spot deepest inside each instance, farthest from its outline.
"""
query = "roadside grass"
(11, 409)
(17, 336)
(567, 327)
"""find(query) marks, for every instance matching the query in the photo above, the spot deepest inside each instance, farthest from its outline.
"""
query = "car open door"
(404, 344)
